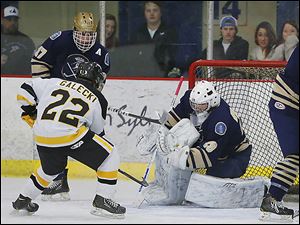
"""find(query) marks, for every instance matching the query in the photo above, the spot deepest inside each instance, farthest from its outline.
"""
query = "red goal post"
(247, 86)
(277, 66)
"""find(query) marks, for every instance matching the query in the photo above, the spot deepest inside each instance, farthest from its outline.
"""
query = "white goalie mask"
(204, 97)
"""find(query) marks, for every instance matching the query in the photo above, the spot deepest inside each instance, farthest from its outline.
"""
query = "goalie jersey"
(59, 57)
(66, 110)
(221, 133)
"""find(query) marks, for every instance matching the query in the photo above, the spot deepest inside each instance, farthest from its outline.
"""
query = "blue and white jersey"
(285, 94)
(58, 56)
(221, 133)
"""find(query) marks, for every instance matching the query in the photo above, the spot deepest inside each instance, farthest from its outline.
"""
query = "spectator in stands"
(229, 46)
(163, 36)
(111, 41)
(16, 47)
(265, 39)
(288, 40)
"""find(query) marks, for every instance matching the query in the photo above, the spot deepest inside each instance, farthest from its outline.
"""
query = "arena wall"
(141, 97)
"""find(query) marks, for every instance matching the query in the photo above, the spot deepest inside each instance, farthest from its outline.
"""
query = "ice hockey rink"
(76, 211)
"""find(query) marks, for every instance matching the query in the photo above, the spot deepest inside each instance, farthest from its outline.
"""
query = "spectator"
(229, 46)
(16, 47)
(288, 40)
(163, 36)
(111, 41)
(265, 39)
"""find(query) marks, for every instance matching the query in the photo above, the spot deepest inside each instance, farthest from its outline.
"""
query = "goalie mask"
(84, 34)
(91, 71)
(204, 97)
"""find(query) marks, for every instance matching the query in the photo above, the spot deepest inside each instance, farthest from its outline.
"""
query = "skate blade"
(64, 196)
(21, 212)
(296, 213)
(103, 213)
(272, 217)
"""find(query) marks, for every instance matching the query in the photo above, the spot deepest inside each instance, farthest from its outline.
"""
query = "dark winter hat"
(228, 21)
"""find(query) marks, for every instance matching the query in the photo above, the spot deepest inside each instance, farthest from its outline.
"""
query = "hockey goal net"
(247, 86)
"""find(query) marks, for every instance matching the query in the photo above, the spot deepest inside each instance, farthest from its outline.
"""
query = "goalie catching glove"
(146, 143)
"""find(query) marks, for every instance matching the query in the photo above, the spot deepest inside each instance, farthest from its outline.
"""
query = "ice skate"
(24, 206)
(273, 210)
(107, 208)
(58, 189)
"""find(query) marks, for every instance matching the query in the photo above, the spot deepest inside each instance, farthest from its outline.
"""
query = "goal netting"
(247, 86)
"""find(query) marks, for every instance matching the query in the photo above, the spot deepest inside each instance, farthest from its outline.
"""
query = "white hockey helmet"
(204, 97)
(84, 34)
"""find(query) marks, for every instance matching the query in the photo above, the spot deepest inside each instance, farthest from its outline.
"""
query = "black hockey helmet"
(92, 72)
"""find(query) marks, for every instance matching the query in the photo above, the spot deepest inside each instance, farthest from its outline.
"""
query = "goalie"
(201, 132)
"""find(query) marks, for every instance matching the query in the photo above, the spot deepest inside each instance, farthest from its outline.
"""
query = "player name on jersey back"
(80, 89)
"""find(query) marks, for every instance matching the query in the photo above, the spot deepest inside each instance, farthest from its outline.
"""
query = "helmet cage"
(84, 40)
(92, 72)
(204, 97)
(199, 108)
(84, 34)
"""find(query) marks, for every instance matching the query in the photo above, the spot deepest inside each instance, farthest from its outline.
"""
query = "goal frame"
(255, 168)
(230, 63)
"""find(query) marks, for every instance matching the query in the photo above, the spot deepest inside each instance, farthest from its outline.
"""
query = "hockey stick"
(119, 111)
(142, 183)
(162, 120)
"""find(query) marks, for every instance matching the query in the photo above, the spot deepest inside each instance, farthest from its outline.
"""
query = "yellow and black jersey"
(66, 110)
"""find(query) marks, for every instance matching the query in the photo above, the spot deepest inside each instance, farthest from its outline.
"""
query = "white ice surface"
(82, 193)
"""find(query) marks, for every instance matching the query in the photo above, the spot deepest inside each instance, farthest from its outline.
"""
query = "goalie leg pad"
(212, 192)
(170, 184)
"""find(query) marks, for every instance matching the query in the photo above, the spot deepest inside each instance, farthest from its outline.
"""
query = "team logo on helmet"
(71, 64)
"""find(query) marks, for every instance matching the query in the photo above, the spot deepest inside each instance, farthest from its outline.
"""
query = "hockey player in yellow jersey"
(68, 118)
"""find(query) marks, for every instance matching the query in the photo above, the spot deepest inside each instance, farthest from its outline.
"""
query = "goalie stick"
(119, 111)
(161, 120)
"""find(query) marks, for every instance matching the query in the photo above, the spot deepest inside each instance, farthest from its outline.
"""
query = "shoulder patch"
(220, 128)
(279, 105)
(55, 35)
